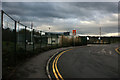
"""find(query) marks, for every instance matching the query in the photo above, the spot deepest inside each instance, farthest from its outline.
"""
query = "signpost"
(74, 33)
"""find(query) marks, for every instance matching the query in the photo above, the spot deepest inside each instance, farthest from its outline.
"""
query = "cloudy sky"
(85, 17)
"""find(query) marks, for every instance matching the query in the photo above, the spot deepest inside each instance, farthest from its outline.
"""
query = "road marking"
(55, 68)
(47, 67)
(117, 50)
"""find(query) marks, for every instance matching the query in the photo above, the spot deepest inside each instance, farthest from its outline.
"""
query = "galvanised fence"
(20, 42)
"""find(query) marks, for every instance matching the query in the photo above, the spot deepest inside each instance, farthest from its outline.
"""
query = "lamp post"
(40, 39)
(31, 31)
(50, 37)
(100, 36)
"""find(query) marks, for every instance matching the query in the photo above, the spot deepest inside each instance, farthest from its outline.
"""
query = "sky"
(60, 0)
(85, 17)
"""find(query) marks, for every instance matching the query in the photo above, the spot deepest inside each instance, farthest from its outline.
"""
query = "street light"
(100, 35)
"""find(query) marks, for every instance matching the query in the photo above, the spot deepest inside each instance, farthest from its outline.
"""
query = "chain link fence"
(20, 42)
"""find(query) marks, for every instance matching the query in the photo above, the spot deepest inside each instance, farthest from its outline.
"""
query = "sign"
(74, 32)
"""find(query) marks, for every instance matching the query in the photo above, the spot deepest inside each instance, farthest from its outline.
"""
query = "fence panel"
(8, 43)
(20, 42)
(37, 39)
(29, 39)
(20, 31)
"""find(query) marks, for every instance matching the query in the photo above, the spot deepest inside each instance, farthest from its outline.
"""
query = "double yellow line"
(117, 50)
(56, 72)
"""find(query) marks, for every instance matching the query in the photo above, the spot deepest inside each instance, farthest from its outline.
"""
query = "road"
(35, 67)
(91, 61)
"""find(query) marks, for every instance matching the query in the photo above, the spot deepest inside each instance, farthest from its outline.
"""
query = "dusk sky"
(85, 17)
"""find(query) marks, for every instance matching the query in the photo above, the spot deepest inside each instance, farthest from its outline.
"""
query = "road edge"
(47, 66)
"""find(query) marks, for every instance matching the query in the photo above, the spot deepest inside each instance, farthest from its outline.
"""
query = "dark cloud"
(59, 10)
(63, 14)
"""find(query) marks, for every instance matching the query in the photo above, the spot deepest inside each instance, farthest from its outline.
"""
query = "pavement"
(36, 66)
(91, 61)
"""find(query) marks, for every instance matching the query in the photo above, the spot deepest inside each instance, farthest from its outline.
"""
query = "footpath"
(36, 66)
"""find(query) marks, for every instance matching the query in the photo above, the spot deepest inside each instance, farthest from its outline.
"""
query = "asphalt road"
(35, 68)
(91, 61)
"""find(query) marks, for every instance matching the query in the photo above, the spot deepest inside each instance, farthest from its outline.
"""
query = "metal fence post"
(25, 39)
(33, 40)
(2, 19)
(1, 42)
(40, 39)
(1, 27)
(15, 42)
